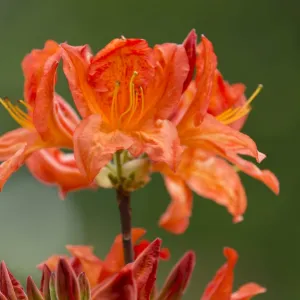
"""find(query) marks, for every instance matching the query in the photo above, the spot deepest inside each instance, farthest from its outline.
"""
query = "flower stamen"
(233, 114)
(21, 117)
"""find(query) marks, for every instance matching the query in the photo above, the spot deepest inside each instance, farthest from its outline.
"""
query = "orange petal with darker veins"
(176, 218)
(265, 176)
(11, 141)
(116, 63)
(212, 177)
(206, 66)
(248, 291)
(53, 167)
(220, 288)
(94, 148)
(8, 167)
(76, 61)
(33, 65)
(189, 44)
(45, 117)
(160, 142)
(163, 93)
(212, 134)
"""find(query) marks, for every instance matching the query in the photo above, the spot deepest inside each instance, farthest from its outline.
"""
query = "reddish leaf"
(66, 282)
(178, 278)
(45, 282)
(120, 286)
(33, 292)
(145, 268)
(84, 286)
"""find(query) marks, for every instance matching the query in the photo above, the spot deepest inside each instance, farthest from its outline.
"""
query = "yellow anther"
(233, 114)
(25, 104)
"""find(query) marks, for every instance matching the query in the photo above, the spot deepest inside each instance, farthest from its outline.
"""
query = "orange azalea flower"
(49, 122)
(126, 93)
(97, 270)
(207, 119)
(220, 288)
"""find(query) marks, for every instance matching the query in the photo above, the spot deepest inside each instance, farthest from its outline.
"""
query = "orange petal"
(225, 96)
(206, 66)
(163, 94)
(176, 218)
(90, 263)
(33, 65)
(94, 147)
(51, 262)
(76, 61)
(54, 167)
(114, 260)
(145, 268)
(178, 279)
(8, 167)
(265, 176)
(220, 288)
(116, 64)
(160, 142)
(214, 178)
(11, 141)
(213, 135)
(121, 286)
(45, 116)
(190, 47)
(248, 291)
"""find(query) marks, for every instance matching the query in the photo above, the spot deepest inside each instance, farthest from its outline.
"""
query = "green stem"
(118, 163)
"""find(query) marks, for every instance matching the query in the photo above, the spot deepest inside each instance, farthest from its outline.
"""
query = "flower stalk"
(123, 198)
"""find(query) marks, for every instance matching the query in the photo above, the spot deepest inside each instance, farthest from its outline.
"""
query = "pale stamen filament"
(233, 114)
(113, 112)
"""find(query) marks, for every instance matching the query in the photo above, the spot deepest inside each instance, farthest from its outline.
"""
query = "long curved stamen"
(132, 96)
(22, 118)
(114, 108)
(233, 114)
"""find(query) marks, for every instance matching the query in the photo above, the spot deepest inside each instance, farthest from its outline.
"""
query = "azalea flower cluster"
(84, 276)
(142, 110)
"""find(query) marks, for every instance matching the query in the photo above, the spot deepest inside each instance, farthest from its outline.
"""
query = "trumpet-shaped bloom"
(126, 93)
(47, 122)
(208, 118)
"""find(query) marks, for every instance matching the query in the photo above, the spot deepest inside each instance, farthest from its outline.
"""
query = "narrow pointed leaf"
(6, 286)
(145, 268)
(120, 286)
(66, 284)
(178, 278)
(52, 289)
(84, 286)
(45, 282)
(33, 292)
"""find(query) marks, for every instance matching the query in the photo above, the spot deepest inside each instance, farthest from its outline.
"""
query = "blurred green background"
(256, 42)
